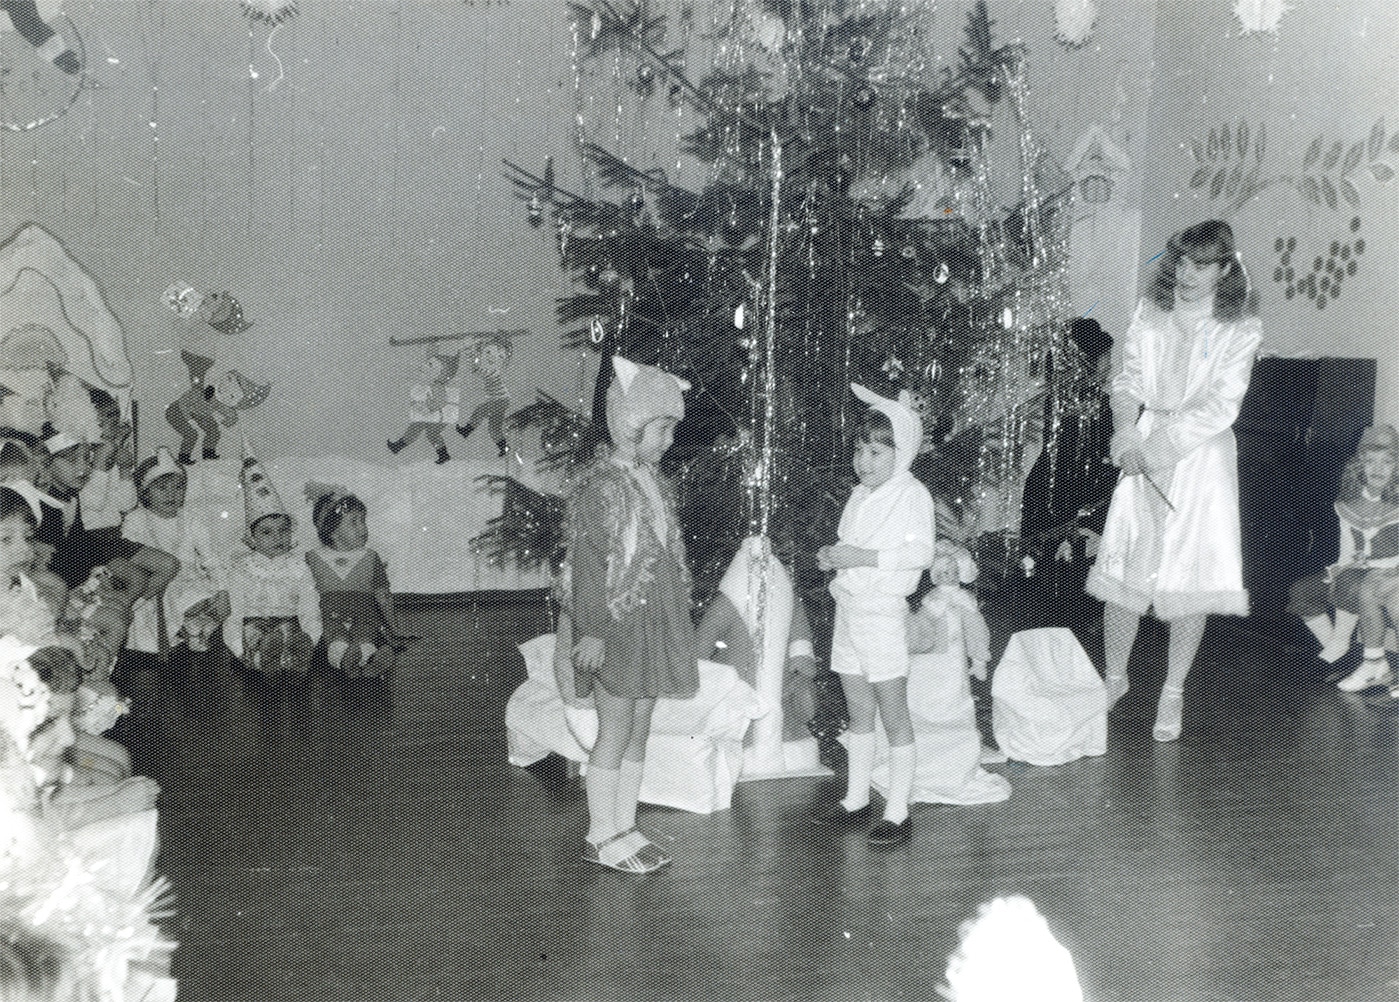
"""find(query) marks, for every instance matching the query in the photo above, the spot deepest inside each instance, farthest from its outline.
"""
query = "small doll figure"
(948, 620)
(433, 404)
(492, 359)
(356, 604)
(274, 621)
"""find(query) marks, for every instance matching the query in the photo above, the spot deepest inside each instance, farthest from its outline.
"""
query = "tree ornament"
(942, 274)
(741, 315)
(1074, 20)
(535, 213)
(859, 49)
(272, 12)
(1259, 15)
(893, 368)
(596, 331)
(864, 97)
(877, 248)
(908, 252)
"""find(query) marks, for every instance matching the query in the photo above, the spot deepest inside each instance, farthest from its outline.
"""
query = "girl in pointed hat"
(627, 590)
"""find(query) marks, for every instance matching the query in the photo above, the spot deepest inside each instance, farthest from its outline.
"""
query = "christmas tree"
(844, 232)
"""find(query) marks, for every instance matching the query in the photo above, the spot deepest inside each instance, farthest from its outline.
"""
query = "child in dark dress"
(628, 592)
(357, 610)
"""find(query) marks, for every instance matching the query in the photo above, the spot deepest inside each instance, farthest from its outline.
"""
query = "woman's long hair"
(1210, 242)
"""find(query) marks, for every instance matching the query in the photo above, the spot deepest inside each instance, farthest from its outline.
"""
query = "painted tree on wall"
(845, 233)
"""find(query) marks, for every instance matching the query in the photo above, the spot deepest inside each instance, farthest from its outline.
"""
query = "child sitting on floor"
(161, 523)
(357, 610)
(1367, 508)
(274, 621)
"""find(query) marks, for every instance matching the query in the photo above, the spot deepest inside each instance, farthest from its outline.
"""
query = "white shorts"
(871, 642)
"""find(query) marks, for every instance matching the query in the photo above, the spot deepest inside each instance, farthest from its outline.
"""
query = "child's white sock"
(602, 800)
(335, 652)
(901, 765)
(860, 756)
(1339, 644)
(628, 793)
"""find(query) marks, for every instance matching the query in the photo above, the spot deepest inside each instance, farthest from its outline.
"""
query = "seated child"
(1367, 508)
(76, 552)
(162, 524)
(274, 622)
(19, 465)
(356, 604)
(111, 489)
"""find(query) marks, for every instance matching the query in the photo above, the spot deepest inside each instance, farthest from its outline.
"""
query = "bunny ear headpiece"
(908, 426)
(639, 394)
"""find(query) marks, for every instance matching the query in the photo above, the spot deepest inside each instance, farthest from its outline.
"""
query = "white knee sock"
(602, 800)
(901, 765)
(860, 756)
(628, 793)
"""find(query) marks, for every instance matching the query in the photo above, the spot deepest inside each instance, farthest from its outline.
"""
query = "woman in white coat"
(1172, 536)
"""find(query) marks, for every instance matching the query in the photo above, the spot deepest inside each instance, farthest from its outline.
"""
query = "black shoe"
(396, 446)
(839, 818)
(186, 459)
(465, 430)
(886, 834)
(210, 454)
(442, 456)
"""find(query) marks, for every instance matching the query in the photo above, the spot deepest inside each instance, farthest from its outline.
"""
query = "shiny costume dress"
(1189, 371)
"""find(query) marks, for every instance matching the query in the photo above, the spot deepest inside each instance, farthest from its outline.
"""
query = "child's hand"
(1133, 462)
(587, 653)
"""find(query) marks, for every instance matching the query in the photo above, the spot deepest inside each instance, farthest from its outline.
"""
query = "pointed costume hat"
(149, 473)
(908, 426)
(259, 496)
(641, 393)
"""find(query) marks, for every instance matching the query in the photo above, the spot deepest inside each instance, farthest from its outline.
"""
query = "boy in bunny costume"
(886, 535)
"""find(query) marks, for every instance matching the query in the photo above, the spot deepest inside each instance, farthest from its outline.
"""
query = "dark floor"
(377, 845)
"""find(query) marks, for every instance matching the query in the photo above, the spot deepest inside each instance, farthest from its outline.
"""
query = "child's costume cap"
(74, 418)
(164, 463)
(326, 499)
(908, 426)
(1379, 436)
(641, 393)
(259, 496)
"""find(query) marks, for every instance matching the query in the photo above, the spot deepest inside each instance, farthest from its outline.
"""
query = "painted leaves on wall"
(1229, 166)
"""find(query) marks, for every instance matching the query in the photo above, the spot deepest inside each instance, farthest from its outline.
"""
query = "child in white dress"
(162, 523)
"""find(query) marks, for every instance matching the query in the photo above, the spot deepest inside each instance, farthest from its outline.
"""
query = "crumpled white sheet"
(694, 756)
(1050, 705)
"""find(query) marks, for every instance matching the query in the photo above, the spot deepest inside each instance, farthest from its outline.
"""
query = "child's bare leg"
(860, 701)
(1342, 632)
(1120, 626)
(892, 697)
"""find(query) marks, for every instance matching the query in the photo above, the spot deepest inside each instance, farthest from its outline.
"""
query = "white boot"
(1374, 670)
(1339, 645)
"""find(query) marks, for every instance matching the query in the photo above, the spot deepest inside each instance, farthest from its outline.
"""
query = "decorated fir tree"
(844, 230)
